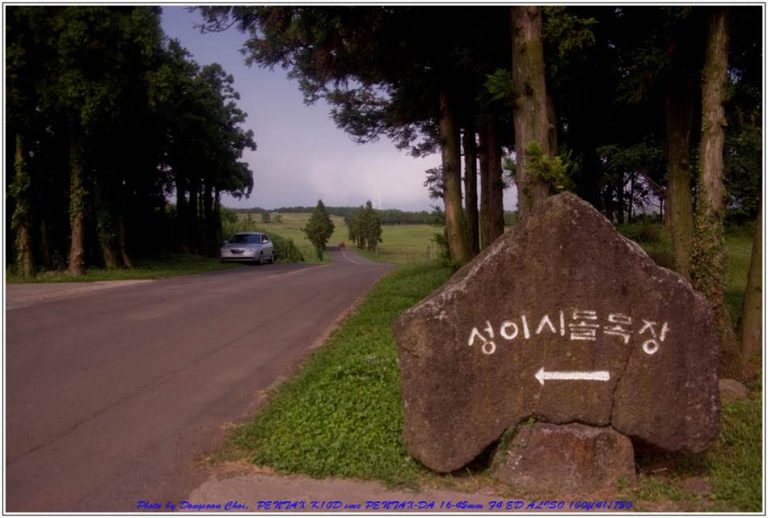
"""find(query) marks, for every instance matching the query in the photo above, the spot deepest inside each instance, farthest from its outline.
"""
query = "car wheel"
(272, 258)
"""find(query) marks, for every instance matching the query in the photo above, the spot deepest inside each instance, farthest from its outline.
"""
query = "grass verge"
(169, 265)
(342, 416)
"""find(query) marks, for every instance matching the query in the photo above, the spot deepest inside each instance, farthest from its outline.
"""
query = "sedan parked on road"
(252, 247)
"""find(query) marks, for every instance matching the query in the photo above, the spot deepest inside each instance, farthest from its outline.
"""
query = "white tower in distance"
(377, 204)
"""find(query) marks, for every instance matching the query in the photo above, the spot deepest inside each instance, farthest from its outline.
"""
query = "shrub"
(286, 250)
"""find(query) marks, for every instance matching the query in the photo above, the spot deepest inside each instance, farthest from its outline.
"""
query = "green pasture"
(403, 244)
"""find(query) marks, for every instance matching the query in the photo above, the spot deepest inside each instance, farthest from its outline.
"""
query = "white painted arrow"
(542, 375)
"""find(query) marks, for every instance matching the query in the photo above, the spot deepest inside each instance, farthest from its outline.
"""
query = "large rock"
(562, 295)
(572, 458)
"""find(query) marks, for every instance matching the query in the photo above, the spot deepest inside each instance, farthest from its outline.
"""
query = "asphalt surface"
(115, 395)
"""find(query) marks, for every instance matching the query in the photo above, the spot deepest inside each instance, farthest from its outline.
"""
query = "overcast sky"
(302, 156)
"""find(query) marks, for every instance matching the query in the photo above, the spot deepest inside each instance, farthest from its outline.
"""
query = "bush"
(286, 250)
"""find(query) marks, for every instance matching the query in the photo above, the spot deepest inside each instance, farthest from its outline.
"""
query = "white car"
(252, 247)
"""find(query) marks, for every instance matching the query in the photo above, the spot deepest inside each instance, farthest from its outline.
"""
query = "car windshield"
(242, 239)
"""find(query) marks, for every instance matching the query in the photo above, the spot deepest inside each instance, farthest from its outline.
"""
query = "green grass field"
(403, 244)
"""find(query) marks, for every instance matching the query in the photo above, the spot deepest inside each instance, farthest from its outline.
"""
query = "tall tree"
(319, 228)
(679, 118)
(21, 220)
(455, 222)
(677, 53)
(751, 313)
(492, 184)
(372, 227)
(365, 227)
(531, 113)
(24, 54)
(708, 261)
(470, 188)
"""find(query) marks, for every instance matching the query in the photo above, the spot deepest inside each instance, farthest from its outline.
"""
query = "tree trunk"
(485, 187)
(182, 217)
(552, 128)
(45, 244)
(193, 221)
(218, 238)
(708, 260)
(678, 115)
(470, 189)
(455, 224)
(21, 219)
(751, 312)
(209, 242)
(77, 200)
(105, 227)
(122, 241)
(198, 228)
(531, 114)
(620, 200)
(496, 184)
(108, 253)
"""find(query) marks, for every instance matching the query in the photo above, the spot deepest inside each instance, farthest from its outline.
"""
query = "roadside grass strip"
(168, 265)
(342, 415)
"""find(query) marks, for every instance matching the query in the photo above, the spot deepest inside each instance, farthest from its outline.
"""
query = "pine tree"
(319, 228)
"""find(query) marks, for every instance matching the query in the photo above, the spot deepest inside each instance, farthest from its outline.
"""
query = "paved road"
(115, 395)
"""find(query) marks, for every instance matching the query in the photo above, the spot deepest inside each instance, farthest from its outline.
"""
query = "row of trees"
(365, 228)
(107, 120)
(599, 100)
(386, 216)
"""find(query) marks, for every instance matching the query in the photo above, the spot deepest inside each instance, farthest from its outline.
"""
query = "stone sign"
(564, 320)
